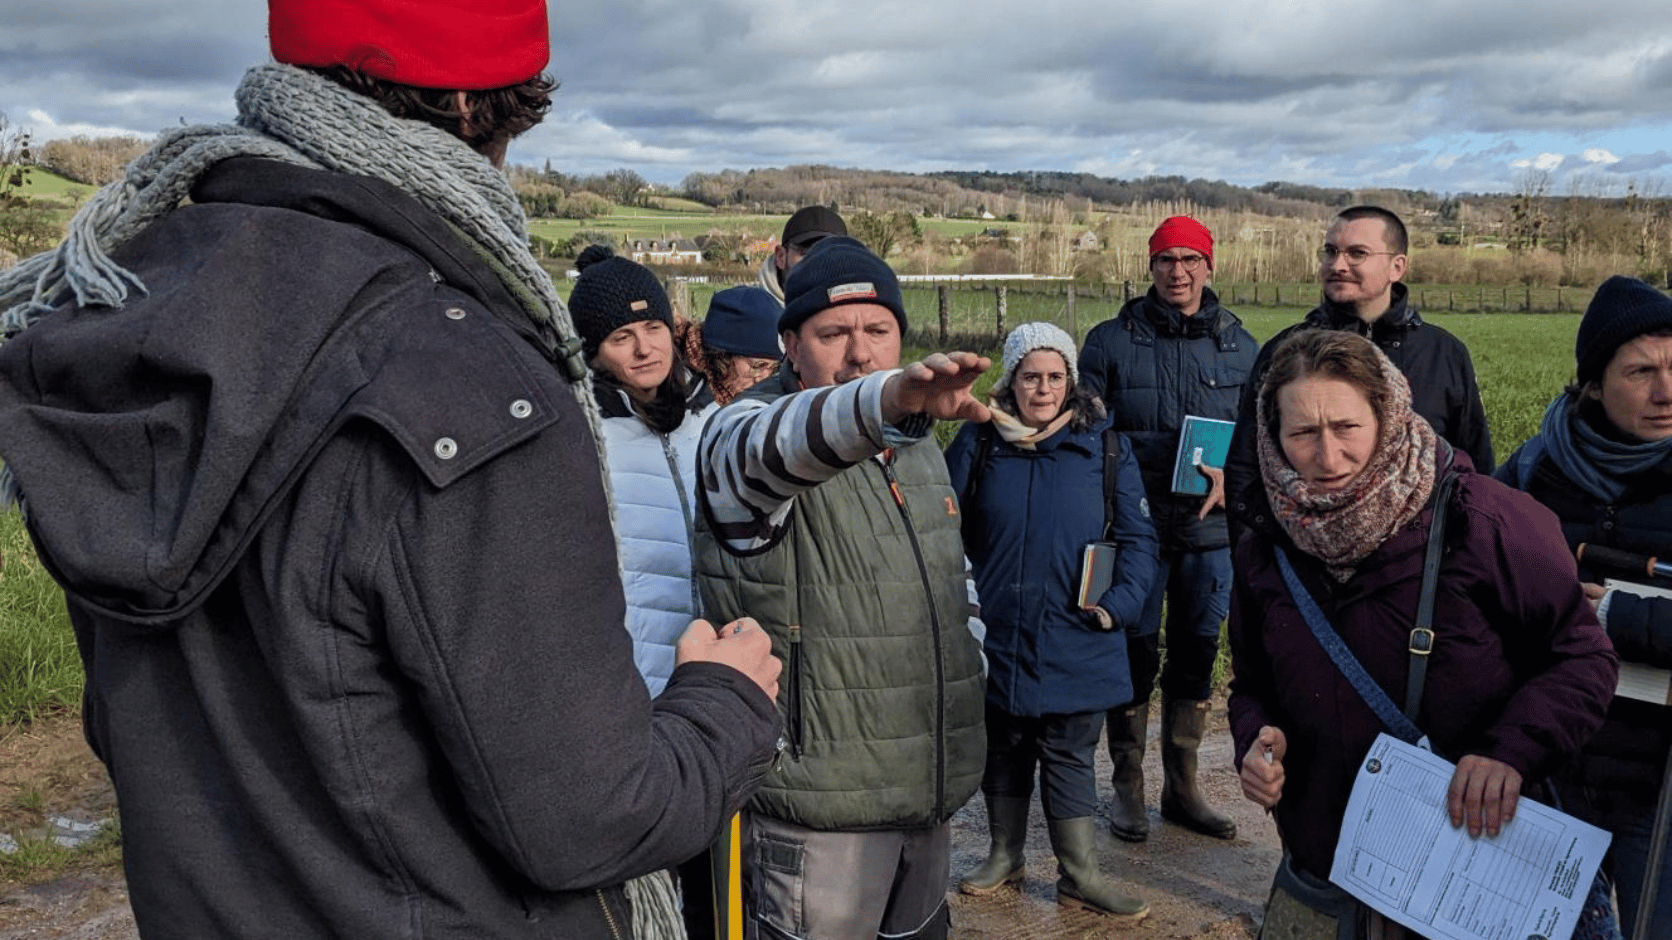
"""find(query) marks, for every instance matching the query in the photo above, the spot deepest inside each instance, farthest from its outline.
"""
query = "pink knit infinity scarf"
(1340, 528)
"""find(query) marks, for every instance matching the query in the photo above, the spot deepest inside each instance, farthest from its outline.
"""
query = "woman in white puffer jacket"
(653, 407)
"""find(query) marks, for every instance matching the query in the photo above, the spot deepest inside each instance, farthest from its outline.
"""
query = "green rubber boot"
(1007, 819)
(1128, 730)
(1081, 884)
(1182, 724)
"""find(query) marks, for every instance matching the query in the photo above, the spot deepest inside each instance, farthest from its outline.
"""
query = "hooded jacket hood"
(150, 442)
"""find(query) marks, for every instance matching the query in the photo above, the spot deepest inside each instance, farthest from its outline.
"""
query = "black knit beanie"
(1622, 309)
(839, 270)
(612, 292)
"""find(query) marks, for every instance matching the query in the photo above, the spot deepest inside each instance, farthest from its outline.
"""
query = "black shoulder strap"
(984, 437)
(1111, 478)
(1422, 633)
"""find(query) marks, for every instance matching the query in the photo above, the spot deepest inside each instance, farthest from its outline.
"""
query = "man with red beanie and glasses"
(314, 460)
(1171, 353)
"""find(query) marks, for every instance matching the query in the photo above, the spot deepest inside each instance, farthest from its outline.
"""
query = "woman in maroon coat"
(1520, 674)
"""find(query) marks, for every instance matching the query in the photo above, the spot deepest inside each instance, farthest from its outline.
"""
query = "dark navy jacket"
(1629, 753)
(1030, 519)
(1152, 366)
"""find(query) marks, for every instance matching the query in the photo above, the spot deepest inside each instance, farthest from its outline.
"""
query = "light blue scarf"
(1597, 464)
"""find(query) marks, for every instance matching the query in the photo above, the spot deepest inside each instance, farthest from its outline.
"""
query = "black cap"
(809, 224)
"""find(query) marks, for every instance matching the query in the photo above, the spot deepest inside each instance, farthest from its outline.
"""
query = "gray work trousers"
(807, 884)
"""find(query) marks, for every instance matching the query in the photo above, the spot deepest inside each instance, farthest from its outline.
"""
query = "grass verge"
(40, 669)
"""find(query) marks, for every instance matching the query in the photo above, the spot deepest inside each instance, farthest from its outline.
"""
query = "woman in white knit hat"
(1039, 483)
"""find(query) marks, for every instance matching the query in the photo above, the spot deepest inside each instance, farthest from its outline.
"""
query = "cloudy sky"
(1428, 94)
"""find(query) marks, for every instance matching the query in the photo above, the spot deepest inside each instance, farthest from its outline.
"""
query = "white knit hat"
(1031, 336)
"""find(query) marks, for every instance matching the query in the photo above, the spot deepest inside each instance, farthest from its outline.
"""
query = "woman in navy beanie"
(740, 344)
(1602, 461)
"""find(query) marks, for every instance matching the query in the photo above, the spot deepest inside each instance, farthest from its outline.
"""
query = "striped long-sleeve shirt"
(756, 456)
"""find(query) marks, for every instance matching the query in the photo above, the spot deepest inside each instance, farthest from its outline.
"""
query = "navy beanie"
(612, 292)
(839, 270)
(743, 321)
(1622, 309)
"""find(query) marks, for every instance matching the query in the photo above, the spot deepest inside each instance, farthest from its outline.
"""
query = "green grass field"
(52, 186)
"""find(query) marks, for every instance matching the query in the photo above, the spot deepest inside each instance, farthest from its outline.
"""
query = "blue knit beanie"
(1622, 309)
(839, 270)
(744, 322)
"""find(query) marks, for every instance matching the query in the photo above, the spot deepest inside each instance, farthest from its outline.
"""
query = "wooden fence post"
(681, 297)
(1072, 329)
(944, 295)
(1126, 292)
(1003, 305)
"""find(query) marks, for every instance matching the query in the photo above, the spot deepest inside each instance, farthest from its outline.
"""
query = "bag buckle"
(1422, 641)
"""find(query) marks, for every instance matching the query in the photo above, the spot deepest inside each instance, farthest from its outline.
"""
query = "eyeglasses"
(1355, 255)
(756, 368)
(1048, 379)
(1191, 263)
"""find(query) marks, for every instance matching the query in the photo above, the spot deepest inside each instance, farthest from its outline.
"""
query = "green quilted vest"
(865, 599)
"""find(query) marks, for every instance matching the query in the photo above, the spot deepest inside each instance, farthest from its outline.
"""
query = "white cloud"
(1281, 90)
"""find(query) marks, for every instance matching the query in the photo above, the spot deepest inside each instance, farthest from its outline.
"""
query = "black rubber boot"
(1007, 819)
(1182, 724)
(1128, 730)
(1081, 884)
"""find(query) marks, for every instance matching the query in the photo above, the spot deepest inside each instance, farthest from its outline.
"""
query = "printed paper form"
(1399, 854)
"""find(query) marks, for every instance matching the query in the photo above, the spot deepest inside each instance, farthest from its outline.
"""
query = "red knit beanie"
(1181, 231)
(467, 45)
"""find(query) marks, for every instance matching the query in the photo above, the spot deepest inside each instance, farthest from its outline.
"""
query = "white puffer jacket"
(653, 481)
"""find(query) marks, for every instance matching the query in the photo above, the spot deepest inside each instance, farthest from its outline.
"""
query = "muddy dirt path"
(1198, 888)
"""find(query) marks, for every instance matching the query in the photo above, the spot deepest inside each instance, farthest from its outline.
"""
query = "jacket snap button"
(446, 448)
(455, 313)
(521, 409)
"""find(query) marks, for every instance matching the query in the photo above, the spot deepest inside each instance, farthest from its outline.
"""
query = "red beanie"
(1181, 231)
(467, 45)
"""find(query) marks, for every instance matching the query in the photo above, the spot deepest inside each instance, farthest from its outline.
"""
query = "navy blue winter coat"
(1026, 527)
(1629, 753)
(1152, 366)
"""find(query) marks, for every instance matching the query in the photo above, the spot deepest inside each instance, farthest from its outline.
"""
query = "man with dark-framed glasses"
(1361, 268)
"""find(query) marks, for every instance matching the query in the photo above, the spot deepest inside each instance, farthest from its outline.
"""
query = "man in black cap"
(827, 514)
(805, 229)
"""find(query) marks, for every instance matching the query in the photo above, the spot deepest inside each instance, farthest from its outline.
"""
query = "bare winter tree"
(26, 227)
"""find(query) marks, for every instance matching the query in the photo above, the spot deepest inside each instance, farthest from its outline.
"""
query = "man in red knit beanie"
(1171, 354)
(313, 459)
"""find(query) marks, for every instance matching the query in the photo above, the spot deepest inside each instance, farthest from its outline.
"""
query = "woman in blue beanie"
(1602, 460)
(739, 342)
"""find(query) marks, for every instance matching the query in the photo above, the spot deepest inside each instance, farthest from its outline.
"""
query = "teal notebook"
(1201, 441)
